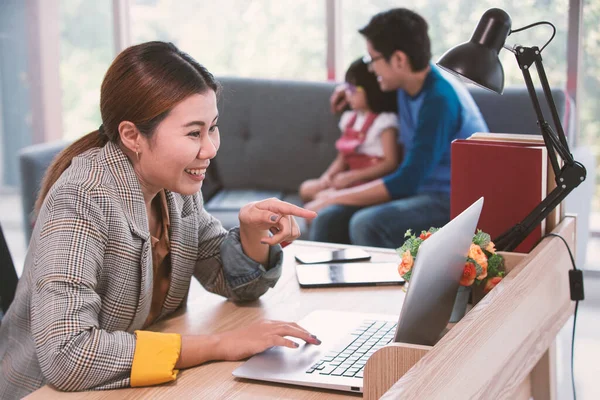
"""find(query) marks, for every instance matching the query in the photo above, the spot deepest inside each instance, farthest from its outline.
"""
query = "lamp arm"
(570, 176)
(526, 57)
(567, 178)
(550, 100)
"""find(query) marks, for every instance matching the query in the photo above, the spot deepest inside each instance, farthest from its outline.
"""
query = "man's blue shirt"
(442, 111)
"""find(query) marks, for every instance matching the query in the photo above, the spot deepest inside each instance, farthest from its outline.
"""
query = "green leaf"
(414, 244)
(495, 265)
(407, 275)
(481, 239)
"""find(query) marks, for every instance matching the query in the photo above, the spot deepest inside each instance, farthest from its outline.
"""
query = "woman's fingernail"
(296, 344)
(317, 341)
(263, 242)
(273, 218)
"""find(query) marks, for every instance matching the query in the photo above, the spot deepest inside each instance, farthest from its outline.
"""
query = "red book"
(511, 177)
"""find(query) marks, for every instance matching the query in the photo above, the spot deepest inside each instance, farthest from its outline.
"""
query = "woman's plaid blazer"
(87, 280)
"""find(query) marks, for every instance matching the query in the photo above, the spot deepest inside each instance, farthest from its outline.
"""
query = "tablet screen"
(348, 274)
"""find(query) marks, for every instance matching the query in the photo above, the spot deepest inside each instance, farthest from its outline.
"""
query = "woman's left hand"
(272, 215)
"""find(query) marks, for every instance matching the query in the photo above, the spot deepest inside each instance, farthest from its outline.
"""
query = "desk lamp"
(477, 61)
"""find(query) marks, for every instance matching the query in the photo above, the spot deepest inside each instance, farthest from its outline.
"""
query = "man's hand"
(337, 101)
(325, 194)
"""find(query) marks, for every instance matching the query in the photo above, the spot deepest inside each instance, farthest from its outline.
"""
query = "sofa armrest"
(34, 161)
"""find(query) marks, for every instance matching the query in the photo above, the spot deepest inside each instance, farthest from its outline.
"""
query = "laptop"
(350, 338)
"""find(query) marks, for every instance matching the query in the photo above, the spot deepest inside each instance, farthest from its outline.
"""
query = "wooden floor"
(587, 343)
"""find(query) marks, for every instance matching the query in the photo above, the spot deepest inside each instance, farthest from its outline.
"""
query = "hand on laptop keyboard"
(244, 342)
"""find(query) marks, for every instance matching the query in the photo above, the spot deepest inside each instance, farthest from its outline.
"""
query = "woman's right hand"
(244, 342)
(338, 101)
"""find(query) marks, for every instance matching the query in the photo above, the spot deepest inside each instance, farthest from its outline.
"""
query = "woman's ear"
(130, 136)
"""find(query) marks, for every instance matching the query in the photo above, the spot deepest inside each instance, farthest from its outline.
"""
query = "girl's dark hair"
(358, 74)
(142, 86)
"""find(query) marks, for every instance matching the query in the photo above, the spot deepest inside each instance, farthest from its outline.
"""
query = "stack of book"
(513, 175)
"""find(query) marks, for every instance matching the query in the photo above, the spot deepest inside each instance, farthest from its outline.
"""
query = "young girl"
(367, 148)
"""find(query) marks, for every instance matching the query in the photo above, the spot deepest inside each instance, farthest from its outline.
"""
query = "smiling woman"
(120, 231)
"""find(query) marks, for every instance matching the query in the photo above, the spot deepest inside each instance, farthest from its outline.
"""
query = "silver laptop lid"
(435, 279)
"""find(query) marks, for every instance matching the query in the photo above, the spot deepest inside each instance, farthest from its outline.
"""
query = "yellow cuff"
(155, 357)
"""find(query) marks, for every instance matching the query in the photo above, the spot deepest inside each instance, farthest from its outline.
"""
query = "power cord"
(577, 294)
(536, 24)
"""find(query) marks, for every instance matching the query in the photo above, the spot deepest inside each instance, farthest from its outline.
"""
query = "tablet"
(348, 274)
(332, 256)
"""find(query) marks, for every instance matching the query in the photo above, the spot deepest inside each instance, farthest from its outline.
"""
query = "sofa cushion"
(274, 134)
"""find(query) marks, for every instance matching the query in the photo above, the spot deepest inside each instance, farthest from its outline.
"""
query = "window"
(589, 97)
(86, 47)
(15, 107)
(263, 39)
(453, 22)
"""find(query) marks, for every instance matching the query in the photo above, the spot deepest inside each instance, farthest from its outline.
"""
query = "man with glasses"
(433, 110)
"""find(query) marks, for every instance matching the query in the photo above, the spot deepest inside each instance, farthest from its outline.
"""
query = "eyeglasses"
(370, 60)
(352, 88)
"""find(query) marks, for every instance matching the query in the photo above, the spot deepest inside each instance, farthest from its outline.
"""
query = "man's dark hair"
(358, 74)
(400, 29)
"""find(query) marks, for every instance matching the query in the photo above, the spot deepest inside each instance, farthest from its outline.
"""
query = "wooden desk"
(502, 349)
(208, 313)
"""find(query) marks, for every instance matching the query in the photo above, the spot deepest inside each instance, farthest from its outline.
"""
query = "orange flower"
(491, 247)
(406, 264)
(477, 254)
(469, 273)
(491, 283)
(425, 235)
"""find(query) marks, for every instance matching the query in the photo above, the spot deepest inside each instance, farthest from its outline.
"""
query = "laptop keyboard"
(350, 359)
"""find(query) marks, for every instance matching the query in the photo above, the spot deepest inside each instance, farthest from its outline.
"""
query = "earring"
(137, 154)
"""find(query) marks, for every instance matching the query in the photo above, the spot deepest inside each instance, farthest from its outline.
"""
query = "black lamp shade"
(477, 60)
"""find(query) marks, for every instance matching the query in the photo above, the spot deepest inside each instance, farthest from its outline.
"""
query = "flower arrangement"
(482, 266)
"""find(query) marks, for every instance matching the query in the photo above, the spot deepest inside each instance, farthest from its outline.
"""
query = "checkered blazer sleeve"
(74, 354)
(223, 267)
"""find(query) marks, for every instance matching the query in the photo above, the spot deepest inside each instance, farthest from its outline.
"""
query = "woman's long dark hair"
(142, 86)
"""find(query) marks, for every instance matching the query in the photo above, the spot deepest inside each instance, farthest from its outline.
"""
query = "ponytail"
(63, 160)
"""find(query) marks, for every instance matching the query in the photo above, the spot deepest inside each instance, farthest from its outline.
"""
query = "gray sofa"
(275, 134)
